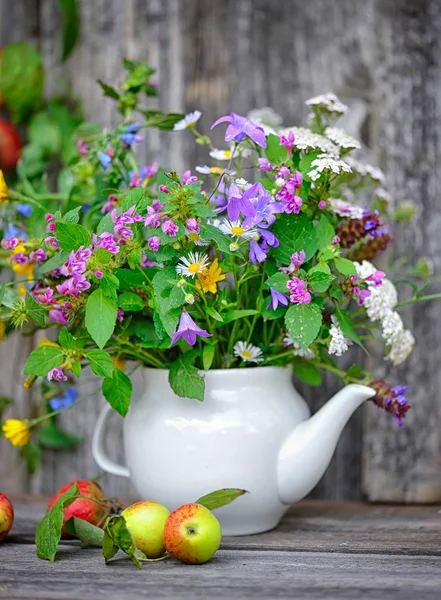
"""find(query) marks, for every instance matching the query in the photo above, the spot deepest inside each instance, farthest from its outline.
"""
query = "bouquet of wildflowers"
(264, 256)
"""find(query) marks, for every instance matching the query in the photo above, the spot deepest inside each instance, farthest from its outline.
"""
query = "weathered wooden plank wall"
(382, 57)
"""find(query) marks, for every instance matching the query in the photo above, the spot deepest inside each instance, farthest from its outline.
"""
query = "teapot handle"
(98, 447)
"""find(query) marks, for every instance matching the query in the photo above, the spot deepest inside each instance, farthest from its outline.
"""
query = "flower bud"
(234, 246)
(176, 245)
(189, 298)
(181, 283)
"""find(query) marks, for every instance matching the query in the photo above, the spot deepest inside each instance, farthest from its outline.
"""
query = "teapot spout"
(307, 452)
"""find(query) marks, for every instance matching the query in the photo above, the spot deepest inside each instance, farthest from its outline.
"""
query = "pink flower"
(82, 148)
(46, 297)
(51, 227)
(377, 277)
(120, 314)
(52, 242)
(154, 243)
(56, 374)
(106, 241)
(322, 204)
(170, 228)
(335, 240)
(98, 274)
(164, 188)
(193, 225)
(288, 142)
(59, 316)
(298, 292)
(293, 205)
(264, 164)
(38, 255)
(152, 218)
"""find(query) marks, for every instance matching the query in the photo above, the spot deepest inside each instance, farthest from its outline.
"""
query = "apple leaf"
(48, 531)
(90, 535)
(118, 537)
(220, 497)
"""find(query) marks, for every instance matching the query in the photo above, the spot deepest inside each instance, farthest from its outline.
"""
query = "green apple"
(146, 521)
(192, 534)
(6, 516)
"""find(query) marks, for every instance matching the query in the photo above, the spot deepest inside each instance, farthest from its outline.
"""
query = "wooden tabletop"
(321, 550)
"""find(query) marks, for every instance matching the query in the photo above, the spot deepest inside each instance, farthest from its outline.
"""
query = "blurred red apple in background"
(146, 521)
(10, 146)
(6, 516)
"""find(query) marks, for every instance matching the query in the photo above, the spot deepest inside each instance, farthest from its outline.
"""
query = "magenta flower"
(293, 205)
(56, 374)
(59, 316)
(164, 188)
(264, 164)
(153, 243)
(107, 241)
(170, 228)
(376, 277)
(46, 297)
(74, 286)
(98, 274)
(82, 148)
(298, 292)
(322, 204)
(110, 204)
(288, 142)
(283, 172)
(188, 330)
(335, 240)
(120, 315)
(152, 219)
(52, 242)
(240, 127)
(187, 178)
(277, 298)
(193, 225)
(38, 255)
(360, 295)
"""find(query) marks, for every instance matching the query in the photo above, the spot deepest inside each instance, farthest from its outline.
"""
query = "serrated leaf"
(345, 266)
(303, 322)
(103, 257)
(73, 216)
(128, 278)
(117, 390)
(48, 533)
(295, 233)
(105, 225)
(66, 339)
(130, 302)
(168, 295)
(117, 535)
(35, 310)
(220, 498)
(133, 198)
(100, 363)
(71, 236)
(90, 535)
(320, 281)
(185, 380)
(42, 360)
(55, 262)
(278, 282)
(222, 241)
(101, 313)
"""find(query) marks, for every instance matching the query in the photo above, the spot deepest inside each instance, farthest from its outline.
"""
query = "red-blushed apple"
(87, 510)
(146, 521)
(192, 534)
(6, 516)
(10, 146)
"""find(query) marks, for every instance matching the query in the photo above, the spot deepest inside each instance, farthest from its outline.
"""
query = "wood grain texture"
(382, 58)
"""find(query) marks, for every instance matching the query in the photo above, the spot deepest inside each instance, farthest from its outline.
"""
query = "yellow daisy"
(3, 188)
(17, 432)
(208, 278)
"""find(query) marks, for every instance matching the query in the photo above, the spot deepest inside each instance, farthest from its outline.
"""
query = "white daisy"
(224, 154)
(193, 264)
(206, 170)
(196, 238)
(188, 121)
(248, 352)
(235, 229)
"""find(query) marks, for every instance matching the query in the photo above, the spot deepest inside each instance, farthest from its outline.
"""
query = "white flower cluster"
(342, 139)
(328, 102)
(324, 162)
(307, 140)
(379, 307)
(366, 170)
(297, 349)
(339, 343)
(345, 209)
(265, 116)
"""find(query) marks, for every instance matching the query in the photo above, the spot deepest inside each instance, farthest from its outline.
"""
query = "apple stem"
(155, 559)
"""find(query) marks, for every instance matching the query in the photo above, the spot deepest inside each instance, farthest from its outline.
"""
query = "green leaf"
(213, 313)
(134, 198)
(278, 282)
(105, 225)
(130, 302)
(101, 313)
(108, 90)
(220, 497)
(31, 456)
(307, 372)
(305, 164)
(345, 267)
(185, 380)
(54, 438)
(325, 233)
(56, 261)
(347, 327)
(71, 26)
(35, 310)
(274, 151)
(222, 241)
(109, 284)
(71, 236)
(118, 537)
(73, 216)
(167, 294)
(320, 281)
(4, 402)
(295, 233)
(207, 356)
(118, 391)
(103, 257)
(303, 322)
(45, 133)
(134, 257)
(66, 340)
(48, 531)
(100, 363)
(42, 360)
(336, 292)
(128, 278)
(90, 535)
(354, 371)
(161, 120)
(234, 315)
(321, 267)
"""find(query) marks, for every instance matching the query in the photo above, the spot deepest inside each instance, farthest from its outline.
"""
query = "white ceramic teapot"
(253, 431)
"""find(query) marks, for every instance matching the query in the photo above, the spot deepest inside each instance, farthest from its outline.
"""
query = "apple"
(10, 146)
(192, 534)
(146, 521)
(6, 516)
(87, 510)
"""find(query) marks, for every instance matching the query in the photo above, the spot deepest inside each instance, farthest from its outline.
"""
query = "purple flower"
(152, 219)
(269, 239)
(106, 241)
(335, 240)
(360, 294)
(130, 136)
(264, 164)
(154, 243)
(64, 400)
(19, 258)
(59, 316)
(288, 142)
(240, 127)
(110, 204)
(322, 204)
(188, 178)
(256, 253)
(193, 225)
(56, 374)
(74, 286)
(38, 255)
(276, 299)
(283, 172)
(120, 315)
(264, 207)
(293, 205)
(82, 148)
(239, 202)
(12, 231)
(46, 297)
(297, 179)
(170, 228)
(164, 189)
(52, 242)
(188, 330)
(104, 159)
(298, 258)
(298, 291)
(98, 274)
(123, 232)
(24, 209)
(9, 243)
(377, 277)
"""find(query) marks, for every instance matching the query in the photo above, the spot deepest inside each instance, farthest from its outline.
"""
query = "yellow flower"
(210, 276)
(3, 188)
(17, 432)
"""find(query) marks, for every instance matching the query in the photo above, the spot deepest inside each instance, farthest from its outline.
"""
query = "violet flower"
(239, 202)
(64, 400)
(56, 374)
(59, 316)
(256, 253)
(188, 330)
(288, 142)
(104, 159)
(298, 291)
(277, 298)
(153, 243)
(264, 164)
(170, 228)
(38, 255)
(264, 207)
(240, 127)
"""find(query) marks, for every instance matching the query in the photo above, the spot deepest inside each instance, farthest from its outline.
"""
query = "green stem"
(13, 195)
(418, 299)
